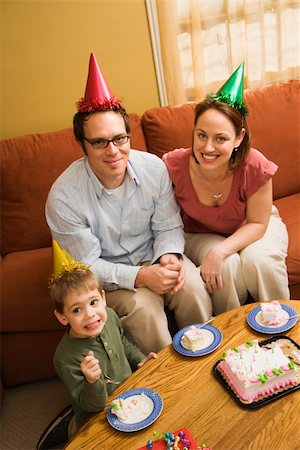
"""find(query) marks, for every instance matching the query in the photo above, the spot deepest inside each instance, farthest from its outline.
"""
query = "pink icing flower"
(253, 378)
(285, 367)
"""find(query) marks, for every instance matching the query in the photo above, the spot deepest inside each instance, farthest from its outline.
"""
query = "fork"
(205, 323)
(109, 380)
(289, 318)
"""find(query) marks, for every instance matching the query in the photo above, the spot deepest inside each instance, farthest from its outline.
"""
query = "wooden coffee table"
(194, 398)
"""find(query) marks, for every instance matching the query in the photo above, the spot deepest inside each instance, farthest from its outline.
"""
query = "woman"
(224, 189)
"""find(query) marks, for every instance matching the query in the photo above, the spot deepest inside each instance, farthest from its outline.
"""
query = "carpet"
(27, 410)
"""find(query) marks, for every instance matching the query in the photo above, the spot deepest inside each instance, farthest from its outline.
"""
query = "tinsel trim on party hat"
(96, 103)
(62, 263)
(66, 268)
(224, 97)
(98, 95)
(231, 92)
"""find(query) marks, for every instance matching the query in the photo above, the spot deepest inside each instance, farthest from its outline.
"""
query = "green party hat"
(232, 91)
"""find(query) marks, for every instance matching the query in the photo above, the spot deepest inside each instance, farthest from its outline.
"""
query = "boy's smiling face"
(85, 312)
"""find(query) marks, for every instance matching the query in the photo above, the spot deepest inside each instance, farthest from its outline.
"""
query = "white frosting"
(193, 339)
(272, 313)
(132, 409)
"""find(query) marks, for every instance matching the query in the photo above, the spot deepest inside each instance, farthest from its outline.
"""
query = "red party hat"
(98, 94)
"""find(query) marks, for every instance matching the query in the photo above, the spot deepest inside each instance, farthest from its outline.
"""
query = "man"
(114, 209)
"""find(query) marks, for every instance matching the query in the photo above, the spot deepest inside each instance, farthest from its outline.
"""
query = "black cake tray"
(264, 401)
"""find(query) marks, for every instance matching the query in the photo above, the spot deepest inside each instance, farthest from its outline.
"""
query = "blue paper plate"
(214, 336)
(155, 413)
(254, 322)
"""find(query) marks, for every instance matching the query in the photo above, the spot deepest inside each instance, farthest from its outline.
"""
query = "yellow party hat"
(63, 262)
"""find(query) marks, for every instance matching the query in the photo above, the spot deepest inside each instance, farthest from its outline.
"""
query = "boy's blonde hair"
(75, 280)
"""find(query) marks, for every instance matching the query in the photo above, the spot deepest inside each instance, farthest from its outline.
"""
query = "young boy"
(94, 349)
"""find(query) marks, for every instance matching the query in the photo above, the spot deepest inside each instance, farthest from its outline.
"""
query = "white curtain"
(201, 42)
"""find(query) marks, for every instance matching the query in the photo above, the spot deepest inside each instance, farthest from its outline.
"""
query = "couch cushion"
(137, 139)
(27, 357)
(25, 301)
(29, 166)
(289, 210)
(274, 122)
(168, 127)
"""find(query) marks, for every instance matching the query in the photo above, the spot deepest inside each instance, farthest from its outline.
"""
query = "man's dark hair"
(81, 117)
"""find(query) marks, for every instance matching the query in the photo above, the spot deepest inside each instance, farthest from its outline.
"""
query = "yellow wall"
(45, 54)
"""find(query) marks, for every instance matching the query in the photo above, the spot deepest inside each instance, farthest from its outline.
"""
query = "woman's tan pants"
(259, 269)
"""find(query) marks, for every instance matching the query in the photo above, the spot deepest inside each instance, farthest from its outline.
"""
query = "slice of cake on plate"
(193, 339)
(272, 313)
(132, 409)
(255, 372)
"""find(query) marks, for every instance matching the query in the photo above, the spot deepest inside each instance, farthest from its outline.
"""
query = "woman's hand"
(259, 207)
(211, 270)
(90, 368)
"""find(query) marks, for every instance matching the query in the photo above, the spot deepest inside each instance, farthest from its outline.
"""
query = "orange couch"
(29, 166)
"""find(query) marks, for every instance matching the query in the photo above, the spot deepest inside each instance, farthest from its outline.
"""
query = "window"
(199, 44)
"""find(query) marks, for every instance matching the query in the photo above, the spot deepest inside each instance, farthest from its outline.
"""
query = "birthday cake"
(255, 372)
(272, 313)
(193, 339)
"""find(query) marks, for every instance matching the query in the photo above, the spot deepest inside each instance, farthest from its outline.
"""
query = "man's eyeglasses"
(102, 143)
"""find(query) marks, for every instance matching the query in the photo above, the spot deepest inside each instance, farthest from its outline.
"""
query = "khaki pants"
(259, 269)
(142, 311)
